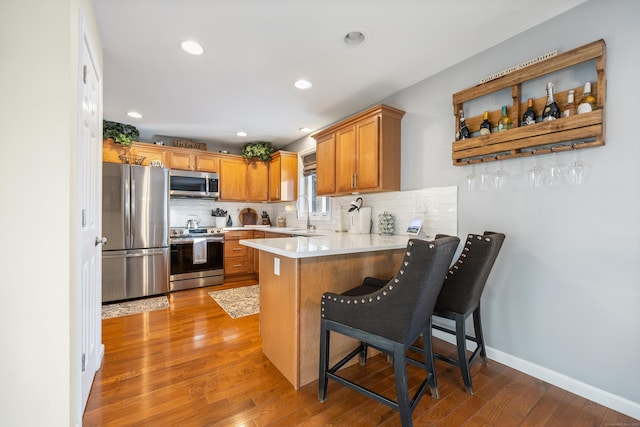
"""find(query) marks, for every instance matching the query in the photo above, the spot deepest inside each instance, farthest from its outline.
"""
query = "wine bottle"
(529, 116)
(569, 108)
(505, 122)
(588, 101)
(463, 132)
(551, 110)
(485, 127)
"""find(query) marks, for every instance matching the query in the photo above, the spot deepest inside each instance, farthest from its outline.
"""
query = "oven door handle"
(189, 241)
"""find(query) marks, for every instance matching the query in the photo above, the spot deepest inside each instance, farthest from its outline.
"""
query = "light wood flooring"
(192, 365)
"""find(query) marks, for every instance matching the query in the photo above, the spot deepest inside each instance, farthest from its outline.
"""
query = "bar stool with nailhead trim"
(460, 298)
(390, 319)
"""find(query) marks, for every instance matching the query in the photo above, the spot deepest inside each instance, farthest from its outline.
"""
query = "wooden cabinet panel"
(283, 177)
(346, 159)
(149, 152)
(367, 154)
(326, 165)
(274, 177)
(257, 188)
(278, 314)
(183, 161)
(208, 163)
(255, 253)
(234, 249)
(111, 152)
(233, 179)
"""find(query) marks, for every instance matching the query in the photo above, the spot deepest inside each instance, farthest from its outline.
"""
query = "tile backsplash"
(437, 206)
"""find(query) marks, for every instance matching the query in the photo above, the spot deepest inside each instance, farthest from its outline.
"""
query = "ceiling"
(254, 50)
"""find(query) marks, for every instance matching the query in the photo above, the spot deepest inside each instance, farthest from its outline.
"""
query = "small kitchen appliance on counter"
(359, 218)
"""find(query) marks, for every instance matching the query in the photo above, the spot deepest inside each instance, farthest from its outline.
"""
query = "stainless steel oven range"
(196, 257)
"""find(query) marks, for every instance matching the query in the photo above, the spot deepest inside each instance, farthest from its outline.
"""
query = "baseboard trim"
(615, 402)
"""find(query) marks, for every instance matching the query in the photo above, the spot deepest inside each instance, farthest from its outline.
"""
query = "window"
(319, 206)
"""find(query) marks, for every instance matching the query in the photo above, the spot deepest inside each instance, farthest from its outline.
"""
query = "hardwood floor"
(192, 365)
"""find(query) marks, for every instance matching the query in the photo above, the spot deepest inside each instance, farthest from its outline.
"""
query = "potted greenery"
(120, 133)
(260, 150)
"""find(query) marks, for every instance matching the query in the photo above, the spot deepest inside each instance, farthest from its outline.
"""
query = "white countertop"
(332, 243)
(283, 230)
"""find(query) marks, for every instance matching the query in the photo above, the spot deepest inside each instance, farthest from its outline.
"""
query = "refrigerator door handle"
(127, 206)
(132, 219)
(144, 252)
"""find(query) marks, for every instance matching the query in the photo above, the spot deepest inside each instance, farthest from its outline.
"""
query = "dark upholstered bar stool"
(460, 297)
(390, 319)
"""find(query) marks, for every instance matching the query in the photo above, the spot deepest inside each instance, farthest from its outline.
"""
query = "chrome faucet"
(309, 226)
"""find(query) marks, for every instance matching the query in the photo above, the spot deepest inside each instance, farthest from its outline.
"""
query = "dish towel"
(199, 251)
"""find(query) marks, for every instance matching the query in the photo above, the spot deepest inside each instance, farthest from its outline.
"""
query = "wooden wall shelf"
(575, 132)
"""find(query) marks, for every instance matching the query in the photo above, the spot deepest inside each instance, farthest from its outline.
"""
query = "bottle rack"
(567, 133)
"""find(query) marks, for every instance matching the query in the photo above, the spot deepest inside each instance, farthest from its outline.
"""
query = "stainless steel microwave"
(194, 184)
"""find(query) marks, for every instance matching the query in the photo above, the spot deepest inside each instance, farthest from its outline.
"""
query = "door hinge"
(84, 362)
(84, 74)
(84, 217)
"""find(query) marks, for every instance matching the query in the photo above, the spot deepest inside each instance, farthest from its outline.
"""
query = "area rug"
(238, 302)
(134, 307)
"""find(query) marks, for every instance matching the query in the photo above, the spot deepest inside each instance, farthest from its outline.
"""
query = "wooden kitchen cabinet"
(243, 182)
(283, 177)
(208, 163)
(182, 160)
(233, 179)
(237, 257)
(367, 153)
(257, 188)
(111, 152)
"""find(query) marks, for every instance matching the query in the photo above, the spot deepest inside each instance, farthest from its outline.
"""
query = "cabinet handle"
(355, 181)
(237, 265)
(236, 249)
(277, 193)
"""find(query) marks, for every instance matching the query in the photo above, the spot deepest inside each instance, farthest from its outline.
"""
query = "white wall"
(38, 320)
(565, 292)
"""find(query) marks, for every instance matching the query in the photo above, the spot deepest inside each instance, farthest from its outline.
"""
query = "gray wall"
(564, 295)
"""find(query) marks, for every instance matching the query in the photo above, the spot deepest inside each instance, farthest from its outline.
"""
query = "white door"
(90, 221)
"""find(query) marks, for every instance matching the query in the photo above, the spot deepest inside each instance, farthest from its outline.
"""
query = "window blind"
(309, 164)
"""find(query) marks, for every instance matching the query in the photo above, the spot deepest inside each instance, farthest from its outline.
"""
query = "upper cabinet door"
(326, 165)
(346, 159)
(258, 181)
(367, 154)
(208, 163)
(233, 179)
(274, 177)
(283, 176)
(183, 161)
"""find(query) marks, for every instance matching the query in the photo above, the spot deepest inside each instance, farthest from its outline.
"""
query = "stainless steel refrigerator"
(135, 221)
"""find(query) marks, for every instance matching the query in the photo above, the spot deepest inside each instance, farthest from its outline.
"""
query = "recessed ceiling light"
(134, 114)
(354, 38)
(303, 84)
(192, 47)
(305, 129)
(241, 133)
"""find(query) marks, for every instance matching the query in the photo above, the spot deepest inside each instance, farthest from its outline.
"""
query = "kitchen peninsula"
(294, 273)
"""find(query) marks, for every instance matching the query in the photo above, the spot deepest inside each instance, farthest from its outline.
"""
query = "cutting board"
(248, 216)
